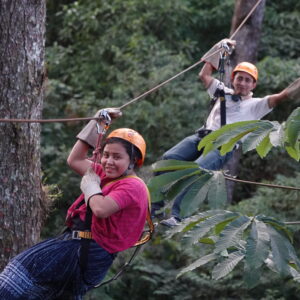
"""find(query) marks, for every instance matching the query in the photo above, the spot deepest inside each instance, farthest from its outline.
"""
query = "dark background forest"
(102, 54)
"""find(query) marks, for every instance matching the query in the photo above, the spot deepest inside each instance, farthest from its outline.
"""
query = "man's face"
(243, 83)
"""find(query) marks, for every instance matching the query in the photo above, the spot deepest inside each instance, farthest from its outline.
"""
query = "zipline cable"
(140, 96)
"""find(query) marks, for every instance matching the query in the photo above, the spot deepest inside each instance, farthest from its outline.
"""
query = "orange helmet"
(132, 137)
(246, 67)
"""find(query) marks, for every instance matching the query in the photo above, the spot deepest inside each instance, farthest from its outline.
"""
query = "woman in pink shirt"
(67, 266)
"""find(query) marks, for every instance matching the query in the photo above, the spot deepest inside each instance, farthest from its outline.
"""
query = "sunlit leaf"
(172, 165)
(230, 145)
(228, 129)
(293, 127)
(264, 147)
(293, 152)
(277, 137)
(255, 138)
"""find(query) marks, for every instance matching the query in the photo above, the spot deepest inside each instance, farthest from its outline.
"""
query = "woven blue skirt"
(51, 270)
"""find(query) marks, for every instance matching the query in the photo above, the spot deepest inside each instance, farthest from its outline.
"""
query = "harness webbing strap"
(222, 107)
(85, 242)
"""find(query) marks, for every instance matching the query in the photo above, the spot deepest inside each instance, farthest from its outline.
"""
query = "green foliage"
(259, 135)
(200, 185)
(257, 241)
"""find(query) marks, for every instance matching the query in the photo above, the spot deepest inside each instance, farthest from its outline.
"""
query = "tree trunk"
(246, 49)
(22, 201)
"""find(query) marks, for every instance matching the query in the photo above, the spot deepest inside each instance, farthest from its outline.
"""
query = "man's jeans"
(187, 150)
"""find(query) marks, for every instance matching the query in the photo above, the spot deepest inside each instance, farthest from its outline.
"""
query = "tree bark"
(22, 201)
(246, 49)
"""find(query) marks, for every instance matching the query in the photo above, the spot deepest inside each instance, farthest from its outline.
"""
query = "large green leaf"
(172, 165)
(278, 225)
(188, 223)
(252, 276)
(239, 131)
(227, 265)
(195, 195)
(230, 145)
(202, 228)
(255, 137)
(280, 247)
(264, 147)
(228, 131)
(277, 137)
(293, 127)
(156, 183)
(232, 234)
(258, 245)
(182, 184)
(198, 263)
(294, 152)
(217, 194)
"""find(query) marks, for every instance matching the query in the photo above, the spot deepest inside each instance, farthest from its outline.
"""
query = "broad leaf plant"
(256, 241)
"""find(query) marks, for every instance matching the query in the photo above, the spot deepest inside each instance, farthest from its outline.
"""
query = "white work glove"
(293, 90)
(89, 133)
(90, 185)
(213, 56)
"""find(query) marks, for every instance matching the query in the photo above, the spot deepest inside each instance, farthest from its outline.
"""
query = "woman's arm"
(77, 159)
(103, 206)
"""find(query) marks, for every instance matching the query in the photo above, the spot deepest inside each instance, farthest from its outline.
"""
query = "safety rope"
(262, 184)
(140, 96)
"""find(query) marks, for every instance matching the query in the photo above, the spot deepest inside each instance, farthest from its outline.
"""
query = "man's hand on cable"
(213, 55)
(293, 90)
(90, 185)
(89, 133)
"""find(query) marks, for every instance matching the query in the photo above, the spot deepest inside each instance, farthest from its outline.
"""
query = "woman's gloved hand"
(90, 185)
(89, 133)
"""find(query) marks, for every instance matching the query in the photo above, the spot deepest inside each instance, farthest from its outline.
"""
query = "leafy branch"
(259, 135)
(257, 241)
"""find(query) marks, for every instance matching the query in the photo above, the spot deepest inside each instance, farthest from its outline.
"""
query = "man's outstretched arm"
(291, 92)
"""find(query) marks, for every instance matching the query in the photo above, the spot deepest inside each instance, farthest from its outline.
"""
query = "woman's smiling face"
(115, 160)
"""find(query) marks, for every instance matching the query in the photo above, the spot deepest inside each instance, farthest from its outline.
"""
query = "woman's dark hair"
(133, 152)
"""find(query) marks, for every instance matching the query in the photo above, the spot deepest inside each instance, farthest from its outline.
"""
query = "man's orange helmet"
(246, 67)
(132, 137)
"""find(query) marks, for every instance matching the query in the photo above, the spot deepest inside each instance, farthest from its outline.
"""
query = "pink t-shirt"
(122, 229)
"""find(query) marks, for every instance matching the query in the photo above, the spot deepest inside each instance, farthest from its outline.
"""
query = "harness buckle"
(75, 235)
(78, 235)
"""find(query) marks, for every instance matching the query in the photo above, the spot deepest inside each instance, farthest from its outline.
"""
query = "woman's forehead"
(114, 147)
